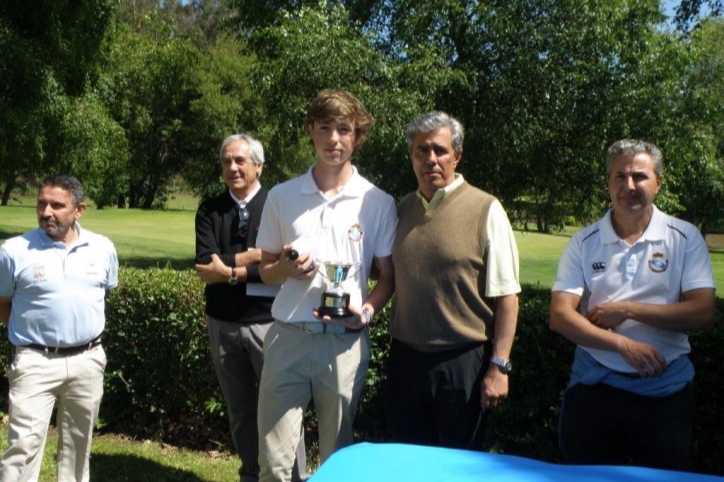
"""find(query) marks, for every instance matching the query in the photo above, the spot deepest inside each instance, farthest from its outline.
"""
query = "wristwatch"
(503, 365)
(366, 315)
(233, 280)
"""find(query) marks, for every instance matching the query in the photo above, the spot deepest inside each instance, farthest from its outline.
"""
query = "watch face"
(233, 281)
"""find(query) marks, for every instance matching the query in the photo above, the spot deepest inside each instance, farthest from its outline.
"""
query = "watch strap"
(504, 365)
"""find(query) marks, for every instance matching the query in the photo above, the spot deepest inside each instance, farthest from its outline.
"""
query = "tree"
(225, 102)
(689, 10)
(315, 48)
(146, 88)
(696, 147)
(49, 50)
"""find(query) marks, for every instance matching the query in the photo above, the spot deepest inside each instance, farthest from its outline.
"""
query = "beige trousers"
(299, 366)
(37, 381)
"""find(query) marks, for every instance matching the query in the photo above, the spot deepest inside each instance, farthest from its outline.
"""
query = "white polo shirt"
(669, 259)
(58, 291)
(353, 227)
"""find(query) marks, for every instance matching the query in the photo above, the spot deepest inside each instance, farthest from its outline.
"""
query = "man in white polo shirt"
(642, 280)
(332, 214)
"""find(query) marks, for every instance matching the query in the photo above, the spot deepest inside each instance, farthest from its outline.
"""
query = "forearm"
(697, 311)
(272, 269)
(5, 306)
(381, 294)
(565, 320)
(247, 258)
(506, 321)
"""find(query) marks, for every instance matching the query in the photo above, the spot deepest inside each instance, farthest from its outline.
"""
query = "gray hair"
(432, 121)
(631, 147)
(66, 183)
(257, 150)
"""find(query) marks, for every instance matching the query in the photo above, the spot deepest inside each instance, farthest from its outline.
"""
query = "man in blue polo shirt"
(53, 283)
(643, 280)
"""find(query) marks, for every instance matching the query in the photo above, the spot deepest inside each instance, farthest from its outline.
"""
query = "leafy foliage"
(49, 50)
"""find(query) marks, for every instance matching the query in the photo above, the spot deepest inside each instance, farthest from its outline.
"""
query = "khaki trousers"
(38, 381)
(300, 366)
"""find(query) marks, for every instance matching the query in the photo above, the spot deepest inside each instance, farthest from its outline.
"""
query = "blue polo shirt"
(58, 291)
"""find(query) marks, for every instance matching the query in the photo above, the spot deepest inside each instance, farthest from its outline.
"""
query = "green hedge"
(160, 382)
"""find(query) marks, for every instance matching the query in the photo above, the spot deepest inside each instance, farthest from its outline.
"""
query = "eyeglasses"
(243, 222)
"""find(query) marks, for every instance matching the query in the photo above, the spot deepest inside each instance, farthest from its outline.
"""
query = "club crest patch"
(38, 274)
(355, 233)
(657, 263)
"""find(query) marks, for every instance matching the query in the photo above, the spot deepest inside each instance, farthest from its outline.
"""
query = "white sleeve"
(570, 277)
(502, 263)
(269, 238)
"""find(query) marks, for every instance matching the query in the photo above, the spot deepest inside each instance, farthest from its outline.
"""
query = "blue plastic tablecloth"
(367, 462)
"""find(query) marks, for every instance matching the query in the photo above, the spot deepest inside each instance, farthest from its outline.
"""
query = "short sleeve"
(502, 264)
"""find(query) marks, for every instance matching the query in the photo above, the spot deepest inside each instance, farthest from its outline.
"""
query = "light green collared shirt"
(440, 193)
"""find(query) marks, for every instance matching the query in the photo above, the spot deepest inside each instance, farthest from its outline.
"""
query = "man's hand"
(214, 272)
(646, 359)
(298, 266)
(609, 314)
(493, 388)
(356, 321)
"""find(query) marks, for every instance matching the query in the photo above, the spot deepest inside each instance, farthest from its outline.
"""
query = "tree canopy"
(135, 96)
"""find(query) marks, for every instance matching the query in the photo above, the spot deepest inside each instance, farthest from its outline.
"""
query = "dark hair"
(339, 104)
(67, 183)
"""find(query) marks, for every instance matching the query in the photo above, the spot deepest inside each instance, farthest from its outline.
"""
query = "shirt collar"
(247, 199)
(48, 242)
(354, 187)
(440, 193)
(655, 231)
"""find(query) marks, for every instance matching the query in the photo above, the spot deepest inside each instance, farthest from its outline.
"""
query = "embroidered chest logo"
(39, 274)
(355, 233)
(657, 263)
(598, 266)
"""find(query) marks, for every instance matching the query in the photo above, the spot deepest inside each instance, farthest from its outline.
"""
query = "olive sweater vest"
(440, 272)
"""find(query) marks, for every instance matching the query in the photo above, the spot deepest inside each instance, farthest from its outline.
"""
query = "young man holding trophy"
(320, 235)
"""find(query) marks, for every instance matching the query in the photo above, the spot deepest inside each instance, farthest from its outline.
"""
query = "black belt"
(66, 350)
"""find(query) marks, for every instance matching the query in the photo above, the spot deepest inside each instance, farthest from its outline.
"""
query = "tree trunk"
(6, 193)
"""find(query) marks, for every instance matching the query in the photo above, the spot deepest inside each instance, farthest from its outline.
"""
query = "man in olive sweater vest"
(456, 285)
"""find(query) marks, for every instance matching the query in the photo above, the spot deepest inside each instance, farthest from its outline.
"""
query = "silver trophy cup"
(335, 301)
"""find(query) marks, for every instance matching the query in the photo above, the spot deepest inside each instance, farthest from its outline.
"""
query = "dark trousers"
(434, 398)
(237, 351)
(603, 425)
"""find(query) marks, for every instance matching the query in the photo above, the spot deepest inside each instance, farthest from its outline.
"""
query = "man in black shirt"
(238, 304)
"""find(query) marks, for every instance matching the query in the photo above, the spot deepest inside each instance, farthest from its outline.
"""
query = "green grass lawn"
(116, 458)
(143, 238)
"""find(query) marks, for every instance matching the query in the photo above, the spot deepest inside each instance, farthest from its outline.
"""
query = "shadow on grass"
(6, 234)
(131, 468)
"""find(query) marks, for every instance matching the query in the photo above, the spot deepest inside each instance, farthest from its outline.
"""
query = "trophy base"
(334, 305)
